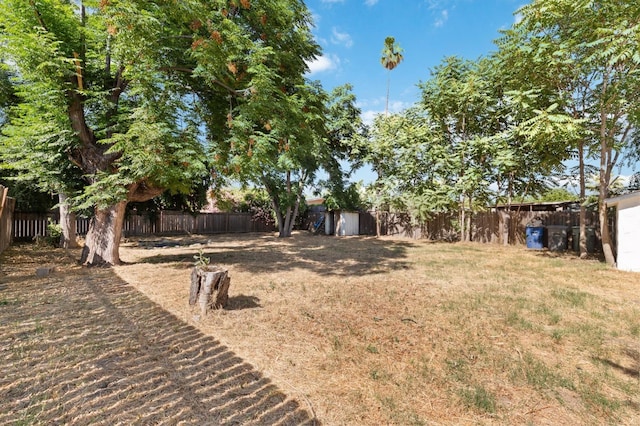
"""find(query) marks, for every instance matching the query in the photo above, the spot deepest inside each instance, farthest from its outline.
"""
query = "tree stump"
(209, 288)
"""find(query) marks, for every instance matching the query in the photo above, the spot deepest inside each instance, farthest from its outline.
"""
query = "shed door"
(629, 239)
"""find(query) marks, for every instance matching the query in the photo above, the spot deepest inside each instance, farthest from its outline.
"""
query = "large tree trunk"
(583, 207)
(462, 220)
(606, 166)
(103, 239)
(105, 230)
(67, 223)
(607, 246)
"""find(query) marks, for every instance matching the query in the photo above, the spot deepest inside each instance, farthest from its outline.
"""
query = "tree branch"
(38, 15)
(237, 92)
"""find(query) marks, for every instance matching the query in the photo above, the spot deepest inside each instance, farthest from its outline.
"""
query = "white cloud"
(376, 107)
(440, 10)
(369, 115)
(371, 2)
(323, 63)
(440, 21)
(517, 18)
(341, 38)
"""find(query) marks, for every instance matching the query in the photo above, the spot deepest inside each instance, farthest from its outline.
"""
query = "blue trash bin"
(535, 236)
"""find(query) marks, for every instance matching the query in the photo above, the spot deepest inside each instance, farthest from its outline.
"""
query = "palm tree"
(391, 57)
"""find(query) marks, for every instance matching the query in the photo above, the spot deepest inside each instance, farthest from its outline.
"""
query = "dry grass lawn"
(82, 347)
(379, 331)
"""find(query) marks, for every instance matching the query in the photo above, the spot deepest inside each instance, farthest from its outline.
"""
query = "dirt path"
(81, 346)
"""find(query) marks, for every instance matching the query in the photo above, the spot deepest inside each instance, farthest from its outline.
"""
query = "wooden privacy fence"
(29, 225)
(172, 222)
(497, 227)
(6, 218)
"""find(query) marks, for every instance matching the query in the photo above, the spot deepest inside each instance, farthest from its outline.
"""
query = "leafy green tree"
(284, 146)
(345, 136)
(124, 88)
(245, 200)
(401, 150)
(581, 58)
(391, 58)
(94, 102)
(459, 101)
(8, 96)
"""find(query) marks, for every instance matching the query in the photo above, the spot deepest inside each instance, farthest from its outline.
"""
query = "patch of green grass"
(422, 367)
(591, 335)
(458, 369)
(572, 297)
(593, 396)
(539, 375)
(398, 415)
(479, 398)
(514, 319)
(553, 316)
(372, 349)
(5, 301)
(379, 375)
(39, 328)
(337, 343)
(557, 335)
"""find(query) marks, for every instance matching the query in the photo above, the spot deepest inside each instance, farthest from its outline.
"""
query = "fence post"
(3, 198)
(7, 205)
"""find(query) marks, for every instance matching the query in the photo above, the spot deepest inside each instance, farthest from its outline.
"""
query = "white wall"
(347, 223)
(629, 235)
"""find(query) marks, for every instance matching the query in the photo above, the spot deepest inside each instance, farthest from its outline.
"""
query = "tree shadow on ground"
(239, 302)
(323, 255)
(82, 346)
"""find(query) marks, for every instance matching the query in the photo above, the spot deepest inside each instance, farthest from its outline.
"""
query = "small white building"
(628, 230)
(342, 223)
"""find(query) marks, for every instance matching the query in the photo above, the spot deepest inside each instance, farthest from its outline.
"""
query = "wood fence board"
(28, 225)
(7, 205)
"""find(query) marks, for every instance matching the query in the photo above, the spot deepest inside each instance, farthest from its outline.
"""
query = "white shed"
(342, 223)
(628, 230)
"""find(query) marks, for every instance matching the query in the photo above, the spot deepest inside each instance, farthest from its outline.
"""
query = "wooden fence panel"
(26, 226)
(211, 223)
(176, 223)
(485, 228)
(7, 205)
(238, 223)
(30, 225)
(367, 223)
(137, 225)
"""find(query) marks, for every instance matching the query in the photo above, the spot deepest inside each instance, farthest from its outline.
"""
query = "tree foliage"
(583, 58)
(123, 93)
(390, 59)
(306, 132)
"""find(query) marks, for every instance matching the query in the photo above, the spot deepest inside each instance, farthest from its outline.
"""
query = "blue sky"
(352, 33)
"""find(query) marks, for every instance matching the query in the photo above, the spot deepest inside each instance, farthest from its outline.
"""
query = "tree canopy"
(124, 94)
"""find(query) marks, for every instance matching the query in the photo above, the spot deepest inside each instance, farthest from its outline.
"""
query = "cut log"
(209, 288)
